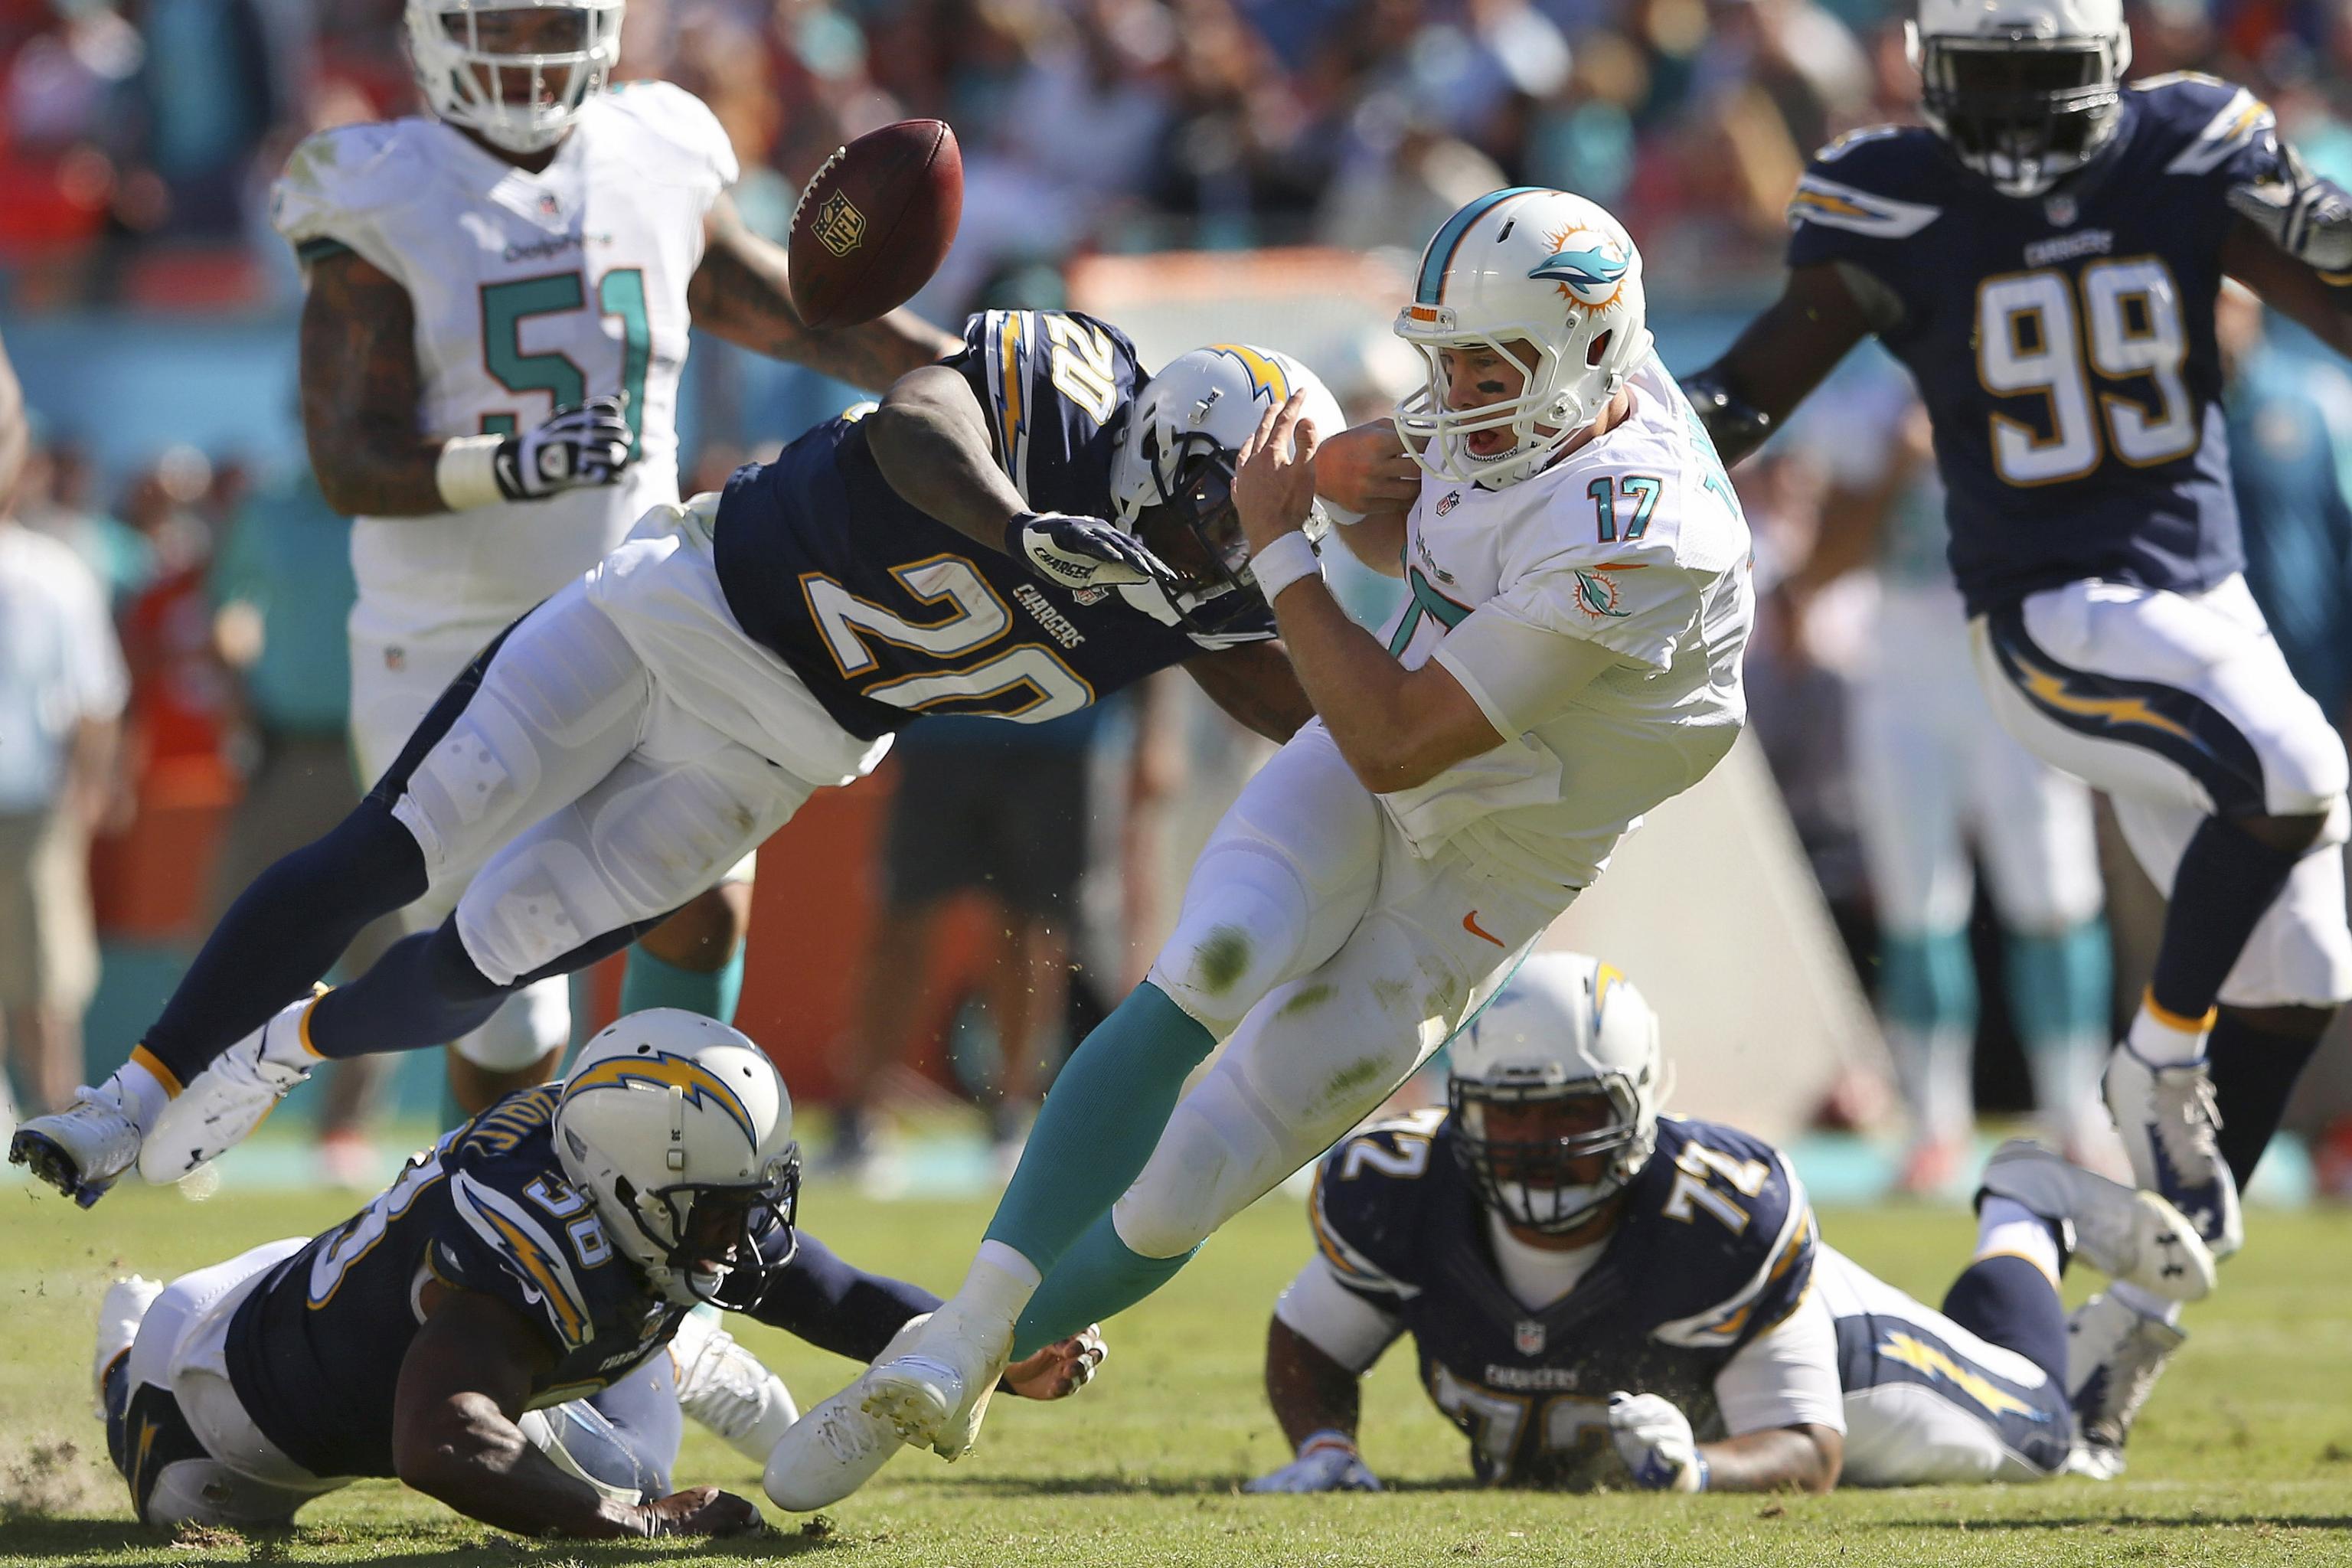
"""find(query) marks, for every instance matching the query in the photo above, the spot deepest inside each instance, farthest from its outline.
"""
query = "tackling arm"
(1782, 356)
(741, 292)
(2321, 302)
(1255, 685)
(931, 440)
(462, 1388)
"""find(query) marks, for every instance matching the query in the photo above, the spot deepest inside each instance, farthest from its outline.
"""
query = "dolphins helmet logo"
(1589, 268)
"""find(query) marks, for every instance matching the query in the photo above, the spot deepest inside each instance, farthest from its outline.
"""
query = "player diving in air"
(622, 745)
(493, 1328)
(491, 346)
(2044, 257)
(1568, 658)
(1598, 1293)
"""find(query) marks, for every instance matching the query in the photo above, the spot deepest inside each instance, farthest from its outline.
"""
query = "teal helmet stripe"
(1440, 254)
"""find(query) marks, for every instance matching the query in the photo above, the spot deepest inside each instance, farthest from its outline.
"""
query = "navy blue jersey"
(2063, 345)
(315, 1352)
(888, 614)
(1714, 1245)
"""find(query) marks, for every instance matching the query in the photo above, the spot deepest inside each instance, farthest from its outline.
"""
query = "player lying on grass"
(627, 741)
(517, 1323)
(1568, 658)
(1597, 1293)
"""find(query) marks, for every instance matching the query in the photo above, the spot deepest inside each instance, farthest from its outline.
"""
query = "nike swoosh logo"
(1470, 923)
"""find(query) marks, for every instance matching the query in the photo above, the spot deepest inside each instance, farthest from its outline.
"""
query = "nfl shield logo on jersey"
(2061, 211)
(1529, 1337)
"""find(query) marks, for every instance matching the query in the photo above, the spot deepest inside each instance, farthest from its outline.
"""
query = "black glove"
(575, 447)
(1082, 553)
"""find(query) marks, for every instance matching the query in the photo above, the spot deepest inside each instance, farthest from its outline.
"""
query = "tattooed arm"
(361, 390)
(740, 293)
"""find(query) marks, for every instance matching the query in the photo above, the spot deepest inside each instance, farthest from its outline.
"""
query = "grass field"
(2246, 1456)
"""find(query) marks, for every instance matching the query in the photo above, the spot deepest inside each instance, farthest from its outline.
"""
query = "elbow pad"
(1730, 419)
(2307, 217)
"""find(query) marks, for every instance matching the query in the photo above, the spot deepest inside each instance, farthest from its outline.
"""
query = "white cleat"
(935, 1393)
(836, 1447)
(119, 1312)
(2168, 1118)
(2126, 1235)
(2113, 1356)
(234, 1094)
(82, 1150)
(727, 1389)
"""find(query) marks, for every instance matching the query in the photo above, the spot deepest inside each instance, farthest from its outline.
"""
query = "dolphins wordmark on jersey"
(2063, 344)
(1714, 1245)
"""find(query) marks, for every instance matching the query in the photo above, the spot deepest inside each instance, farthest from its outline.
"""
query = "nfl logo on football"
(839, 224)
(1529, 1338)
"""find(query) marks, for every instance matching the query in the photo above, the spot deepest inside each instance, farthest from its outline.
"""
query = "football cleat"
(119, 1312)
(2113, 1356)
(81, 1150)
(935, 1393)
(836, 1447)
(2124, 1235)
(2168, 1118)
(222, 1105)
(727, 1389)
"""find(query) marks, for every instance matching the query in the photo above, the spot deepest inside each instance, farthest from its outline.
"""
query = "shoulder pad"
(2212, 120)
(666, 111)
(1852, 184)
(1733, 1240)
(1366, 1210)
(337, 181)
(504, 1244)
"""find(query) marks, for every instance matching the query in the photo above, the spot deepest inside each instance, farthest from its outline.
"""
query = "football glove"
(1082, 553)
(1326, 1462)
(1653, 1438)
(574, 448)
(2307, 217)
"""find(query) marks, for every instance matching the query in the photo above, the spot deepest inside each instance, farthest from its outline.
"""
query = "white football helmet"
(1172, 478)
(680, 1131)
(2025, 91)
(1551, 272)
(462, 51)
(1565, 1027)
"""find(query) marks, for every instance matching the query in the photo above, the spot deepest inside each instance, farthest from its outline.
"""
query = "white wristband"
(467, 473)
(1283, 563)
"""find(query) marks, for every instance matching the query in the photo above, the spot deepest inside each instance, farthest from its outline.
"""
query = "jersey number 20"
(2032, 341)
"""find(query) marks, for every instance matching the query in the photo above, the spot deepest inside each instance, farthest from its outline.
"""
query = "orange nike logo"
(1470, 923)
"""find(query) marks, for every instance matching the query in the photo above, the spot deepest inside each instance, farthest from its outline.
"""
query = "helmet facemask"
(516, 74)
(1544, 417)
(691, 1238)
(1547, 1156)
(1195, 531)
(2022, 111)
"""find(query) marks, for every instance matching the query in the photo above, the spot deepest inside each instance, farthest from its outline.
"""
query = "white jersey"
(1634, 542)
(532, 292)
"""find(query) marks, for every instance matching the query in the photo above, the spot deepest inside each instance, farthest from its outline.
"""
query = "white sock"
(141, 1093)
(999, 1284)
(2145, 1303)
(2004, 1225)
(2160, 1041)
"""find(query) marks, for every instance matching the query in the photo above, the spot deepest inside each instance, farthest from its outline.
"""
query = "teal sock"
(2060, 986)
(651, 982)
(1098, 1276)
(1106, 1110)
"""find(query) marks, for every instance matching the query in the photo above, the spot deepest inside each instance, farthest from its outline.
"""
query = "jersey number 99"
(2032, 341)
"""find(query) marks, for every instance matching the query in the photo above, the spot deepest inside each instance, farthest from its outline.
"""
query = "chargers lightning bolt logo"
(660, 1069)
(1940, 1367)
(1267, 378)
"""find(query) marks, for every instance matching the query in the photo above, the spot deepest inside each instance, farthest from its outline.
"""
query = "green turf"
(2246, 1456)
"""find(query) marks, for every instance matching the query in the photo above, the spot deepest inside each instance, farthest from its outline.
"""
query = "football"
(876, 223)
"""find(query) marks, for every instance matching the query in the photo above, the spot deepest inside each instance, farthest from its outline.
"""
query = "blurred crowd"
(138, 137)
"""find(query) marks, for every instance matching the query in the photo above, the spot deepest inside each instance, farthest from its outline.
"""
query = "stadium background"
(1197, 168)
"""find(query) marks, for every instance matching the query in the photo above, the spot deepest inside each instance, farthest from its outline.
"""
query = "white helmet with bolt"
(678, 1128)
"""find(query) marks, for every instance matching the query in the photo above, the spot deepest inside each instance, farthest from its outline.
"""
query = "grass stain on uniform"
(1394, 995)
(1306, 1000)
(1223, 956)
(1349, 1080)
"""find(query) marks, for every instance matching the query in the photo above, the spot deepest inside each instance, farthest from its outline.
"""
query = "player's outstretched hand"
(1061, 1369)
(1274, 483)
(1081, 551)
(2305, 217)
(1364, 470)
(575, 447)
(1653, 1438)
(701, 1510)
(1326, 1462)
